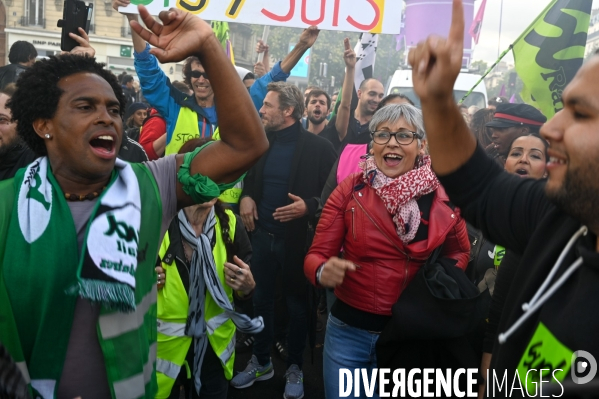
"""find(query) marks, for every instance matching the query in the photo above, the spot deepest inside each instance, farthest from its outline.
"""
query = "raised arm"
(344, 110)
(306, 40)
(436, 64)
(242, 138)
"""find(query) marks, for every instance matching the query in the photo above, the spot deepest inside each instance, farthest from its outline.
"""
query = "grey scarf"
(203, 276)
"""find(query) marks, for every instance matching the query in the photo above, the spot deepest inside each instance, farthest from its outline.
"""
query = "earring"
(47, 136)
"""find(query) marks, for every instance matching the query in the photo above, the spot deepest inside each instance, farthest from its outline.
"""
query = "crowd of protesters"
(147, 233)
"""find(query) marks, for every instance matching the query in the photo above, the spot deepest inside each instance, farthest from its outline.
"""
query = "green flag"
(550, 51)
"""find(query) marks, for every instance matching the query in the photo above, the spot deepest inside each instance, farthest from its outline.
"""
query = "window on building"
(126, 28)
(35, 11)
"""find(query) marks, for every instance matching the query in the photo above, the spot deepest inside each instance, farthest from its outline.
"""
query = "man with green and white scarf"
(79, 230)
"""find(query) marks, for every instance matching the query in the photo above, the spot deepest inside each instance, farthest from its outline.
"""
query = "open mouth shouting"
(104, 145)
(522, 172)
(392, 160)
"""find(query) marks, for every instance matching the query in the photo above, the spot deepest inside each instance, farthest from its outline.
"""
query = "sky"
(517, 16)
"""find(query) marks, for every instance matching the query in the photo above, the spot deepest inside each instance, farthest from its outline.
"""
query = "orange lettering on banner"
(281, 18)
(315, 21)
(373, 24)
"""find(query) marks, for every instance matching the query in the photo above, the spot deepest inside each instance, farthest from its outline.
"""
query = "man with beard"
(14, 154)
(549, 320)
(318, 104)
(351, 126)
(278, 203)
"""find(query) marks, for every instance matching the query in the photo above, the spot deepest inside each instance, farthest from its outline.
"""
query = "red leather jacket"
(359, 222)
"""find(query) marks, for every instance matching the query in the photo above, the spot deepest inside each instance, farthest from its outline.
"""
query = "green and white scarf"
(106, 269)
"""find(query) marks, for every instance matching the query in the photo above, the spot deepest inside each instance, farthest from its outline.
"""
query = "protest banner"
(374, 16)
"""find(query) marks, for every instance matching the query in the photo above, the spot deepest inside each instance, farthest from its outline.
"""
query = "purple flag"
(502, 92)
(513, 99)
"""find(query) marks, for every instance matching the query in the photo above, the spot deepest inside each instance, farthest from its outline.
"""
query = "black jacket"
(517, 214)
(131, 151)
(312, 161)
(10, 73)
(17, 158)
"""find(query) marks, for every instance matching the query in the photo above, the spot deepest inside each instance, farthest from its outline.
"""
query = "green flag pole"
(486, 73)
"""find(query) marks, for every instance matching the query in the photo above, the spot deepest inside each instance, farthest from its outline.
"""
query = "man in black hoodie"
(549, 320)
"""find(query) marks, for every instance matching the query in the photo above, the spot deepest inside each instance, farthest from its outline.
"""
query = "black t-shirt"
(356, 133)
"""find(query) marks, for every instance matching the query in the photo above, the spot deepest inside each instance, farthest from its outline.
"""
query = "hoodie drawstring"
(541, 296)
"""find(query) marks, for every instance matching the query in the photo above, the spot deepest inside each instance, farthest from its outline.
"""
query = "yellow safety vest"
(173, 307)
(186, 129)
(232, 195)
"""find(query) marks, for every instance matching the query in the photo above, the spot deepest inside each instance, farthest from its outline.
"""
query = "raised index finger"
(346, 43)
(456, 31)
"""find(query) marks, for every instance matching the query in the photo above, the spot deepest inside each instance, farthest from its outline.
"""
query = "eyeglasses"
(403, 137)
(198, 74)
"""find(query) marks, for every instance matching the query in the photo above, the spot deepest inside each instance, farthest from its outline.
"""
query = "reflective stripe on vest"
(171, 329)
(228, 352)
(216, 322)
(186, 128)
(134, 387)
(24, 371)
(114, 324)
(167, 368)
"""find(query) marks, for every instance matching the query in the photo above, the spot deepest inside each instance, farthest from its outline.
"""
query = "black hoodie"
(516, 213)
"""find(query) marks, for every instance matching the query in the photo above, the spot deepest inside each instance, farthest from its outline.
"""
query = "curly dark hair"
(37, 93)
(187, 69)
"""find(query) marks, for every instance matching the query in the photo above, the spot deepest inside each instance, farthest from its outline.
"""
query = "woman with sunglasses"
(388, 218)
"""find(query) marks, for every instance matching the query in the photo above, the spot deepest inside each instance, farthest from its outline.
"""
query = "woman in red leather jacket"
(388, 219)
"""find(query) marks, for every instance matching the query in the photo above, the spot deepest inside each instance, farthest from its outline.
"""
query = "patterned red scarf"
(400, 194)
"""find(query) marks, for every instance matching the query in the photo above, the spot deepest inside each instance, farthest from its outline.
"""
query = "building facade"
(593, 34)
(110, 34)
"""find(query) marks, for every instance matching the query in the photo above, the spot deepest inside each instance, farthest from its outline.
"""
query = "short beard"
(316, 121)
(10, 147)
(578, 196)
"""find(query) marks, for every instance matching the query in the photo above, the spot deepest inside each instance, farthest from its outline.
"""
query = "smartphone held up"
(76, 14)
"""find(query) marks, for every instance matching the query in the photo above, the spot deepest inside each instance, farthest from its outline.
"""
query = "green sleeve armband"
(201, 188)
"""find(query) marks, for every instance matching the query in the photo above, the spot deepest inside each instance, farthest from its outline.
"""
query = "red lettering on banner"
(281, 18)
(375, 22)
(336, 13)
(316, 21)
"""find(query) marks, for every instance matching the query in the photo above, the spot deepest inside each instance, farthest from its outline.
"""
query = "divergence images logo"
(584, 367)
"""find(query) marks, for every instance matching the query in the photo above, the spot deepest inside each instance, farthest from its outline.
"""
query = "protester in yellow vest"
(204, 264)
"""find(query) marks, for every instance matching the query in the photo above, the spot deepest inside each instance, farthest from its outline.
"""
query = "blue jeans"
(349, 348)
(268, 258)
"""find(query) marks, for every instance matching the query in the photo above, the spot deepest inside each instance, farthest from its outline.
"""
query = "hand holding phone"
(76, 14)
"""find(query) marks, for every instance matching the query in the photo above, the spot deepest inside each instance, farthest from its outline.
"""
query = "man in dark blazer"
(278, 203)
